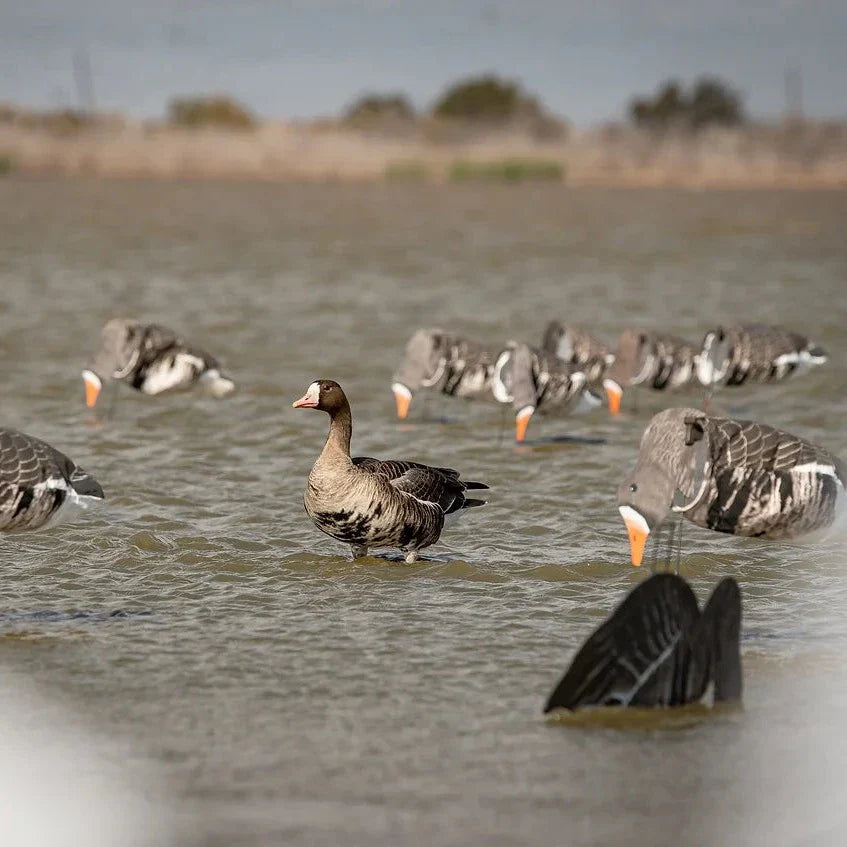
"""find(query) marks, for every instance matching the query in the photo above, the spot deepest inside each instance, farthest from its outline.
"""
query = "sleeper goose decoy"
(368, 503)
(588, 354)
(152, 359)
(38, 484)
(653, 360)
(737, 477)
(657, 649)
(754, 353)
(445, 362)
(532, 380)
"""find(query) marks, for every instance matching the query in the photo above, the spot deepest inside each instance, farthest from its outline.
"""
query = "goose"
(39, 485)
(579, 348)
(657, 649)
(755, 353)
(653, 360)
(532, 380)
(367, 502)
(738, 477)
(152, 359)
(443, 361)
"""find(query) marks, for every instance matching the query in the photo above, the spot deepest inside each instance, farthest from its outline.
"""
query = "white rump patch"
(396, 387)
(630, 516)
(216, 384)
(72, 503)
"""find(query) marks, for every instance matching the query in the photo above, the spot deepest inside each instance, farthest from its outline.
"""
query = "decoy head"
(614, 394)
(116, 357)
(402, 398)
(644, 501)
(326, 395)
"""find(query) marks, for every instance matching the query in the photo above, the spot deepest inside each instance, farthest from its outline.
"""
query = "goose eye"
(633, 488)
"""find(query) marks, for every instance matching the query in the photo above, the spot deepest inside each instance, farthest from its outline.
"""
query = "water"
(261, 689)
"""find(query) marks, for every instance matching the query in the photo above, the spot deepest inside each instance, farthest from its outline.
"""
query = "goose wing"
(641, 655)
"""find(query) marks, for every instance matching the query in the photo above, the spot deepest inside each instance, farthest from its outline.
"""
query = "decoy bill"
(39, 486)
(755, 353)
(367, 502)
(657, 649)
(152, 359)
(738, 477)
(445, 362)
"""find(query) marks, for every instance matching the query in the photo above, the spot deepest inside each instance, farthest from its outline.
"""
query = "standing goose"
(657, 649)
(371, 503)
(588, 354)
(652, 360)
(758, 353)
(445, 362)
(738, 477)
(38, 484)
(532, 380)
(152, 359)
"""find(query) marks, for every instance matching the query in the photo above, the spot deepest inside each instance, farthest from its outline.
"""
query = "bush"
(408, 170)
(711, 102)
(216, 110)
(507, 170)
(7, 164)
(378, 107)
(487, 99)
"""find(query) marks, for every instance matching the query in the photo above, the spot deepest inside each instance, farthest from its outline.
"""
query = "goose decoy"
(38, 484)
(445, 362)
(152, 359)
(579, 348)
(657, 649)
(653, 360)
(532, 380)
(755, 353)
(366, 502)
(737, 477)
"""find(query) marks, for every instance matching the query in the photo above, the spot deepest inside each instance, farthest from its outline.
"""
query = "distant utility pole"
(794, 94)
(84, 81)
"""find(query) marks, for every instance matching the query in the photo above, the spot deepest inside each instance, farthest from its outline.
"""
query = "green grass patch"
(410, 170)
(507, 170)
(7, 164)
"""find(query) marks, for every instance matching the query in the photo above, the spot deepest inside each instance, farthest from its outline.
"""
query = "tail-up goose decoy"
(579, 348)
(444, 362)
(366, 502)
(532, 380)
(653, 360)
(152, 359)
(754, 353)
(737, 477)
(657, 649)
(38, 484)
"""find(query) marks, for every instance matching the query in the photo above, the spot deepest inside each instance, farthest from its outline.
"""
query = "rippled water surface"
(262, 689)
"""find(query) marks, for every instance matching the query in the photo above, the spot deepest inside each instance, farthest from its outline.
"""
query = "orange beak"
(637, 530)
(521, 423)
(614, 393)
(403, 399)
(92, 388)
(305, 402)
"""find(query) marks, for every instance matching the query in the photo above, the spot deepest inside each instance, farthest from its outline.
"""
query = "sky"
(308, 58)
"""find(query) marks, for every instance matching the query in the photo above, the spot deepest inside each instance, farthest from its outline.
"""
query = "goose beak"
(637, 530)
(305, 402)
(522, 422)
(614, 393)
(403, 399)
(92, 388)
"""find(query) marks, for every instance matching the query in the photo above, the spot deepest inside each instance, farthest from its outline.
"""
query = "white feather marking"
(92, 378)
(399, 388)
(630, 516)
(498, 387)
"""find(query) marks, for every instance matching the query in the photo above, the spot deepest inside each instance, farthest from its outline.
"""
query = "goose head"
(326, 395)
(118, 353)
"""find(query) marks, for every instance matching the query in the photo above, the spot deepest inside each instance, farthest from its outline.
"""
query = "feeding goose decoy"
(38, 484)
(532, 380)
(577, 347)
(657, 649)
(445, 362)
(152, 359)
(755, 353)
(737, 477)
(368, 503)
(653, 360)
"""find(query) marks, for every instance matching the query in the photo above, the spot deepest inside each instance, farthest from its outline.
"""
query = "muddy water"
(261, 689)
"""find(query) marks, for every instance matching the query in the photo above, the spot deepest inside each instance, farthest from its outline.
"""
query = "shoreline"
(785, 157)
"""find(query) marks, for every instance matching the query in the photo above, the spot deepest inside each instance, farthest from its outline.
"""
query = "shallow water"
(261, 689)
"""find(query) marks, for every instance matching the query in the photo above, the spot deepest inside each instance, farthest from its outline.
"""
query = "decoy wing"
(720, 628)
(641, 655)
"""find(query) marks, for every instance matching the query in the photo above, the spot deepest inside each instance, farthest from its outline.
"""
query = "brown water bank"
(777, 156)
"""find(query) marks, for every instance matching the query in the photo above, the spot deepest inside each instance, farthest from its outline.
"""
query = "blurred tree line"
(709, 102)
